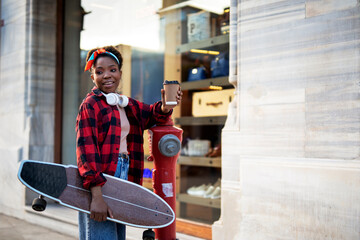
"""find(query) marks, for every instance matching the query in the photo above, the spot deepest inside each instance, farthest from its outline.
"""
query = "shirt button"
(117, 148)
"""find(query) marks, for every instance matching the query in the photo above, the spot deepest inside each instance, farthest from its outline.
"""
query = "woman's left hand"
(166, 108)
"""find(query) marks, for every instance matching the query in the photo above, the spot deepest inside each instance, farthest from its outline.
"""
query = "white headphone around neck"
(114, 99)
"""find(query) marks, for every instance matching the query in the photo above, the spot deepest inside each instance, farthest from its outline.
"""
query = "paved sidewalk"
(15, 229)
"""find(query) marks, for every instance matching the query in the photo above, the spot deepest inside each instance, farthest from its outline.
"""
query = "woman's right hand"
(99, 210)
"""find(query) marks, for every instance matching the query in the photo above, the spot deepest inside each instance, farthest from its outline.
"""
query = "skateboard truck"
(148, 235)
(39, 204)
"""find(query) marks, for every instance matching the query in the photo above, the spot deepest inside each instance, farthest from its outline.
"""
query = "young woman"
(110, 139)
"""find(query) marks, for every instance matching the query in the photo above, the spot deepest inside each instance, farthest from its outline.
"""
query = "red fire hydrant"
(165, 144)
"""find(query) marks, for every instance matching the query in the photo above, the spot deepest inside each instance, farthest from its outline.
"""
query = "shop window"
(186, 41)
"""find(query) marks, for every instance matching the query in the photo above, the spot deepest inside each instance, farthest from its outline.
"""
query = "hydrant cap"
(169, 145)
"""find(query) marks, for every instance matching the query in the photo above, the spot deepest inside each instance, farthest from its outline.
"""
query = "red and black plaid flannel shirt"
(98, 132)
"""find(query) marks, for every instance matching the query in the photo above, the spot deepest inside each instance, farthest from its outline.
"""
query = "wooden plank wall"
(291, 171)
(299, 67)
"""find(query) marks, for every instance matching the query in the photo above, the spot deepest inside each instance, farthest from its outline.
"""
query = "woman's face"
(106, 74)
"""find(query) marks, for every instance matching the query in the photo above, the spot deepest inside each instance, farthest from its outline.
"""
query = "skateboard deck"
(131, 203)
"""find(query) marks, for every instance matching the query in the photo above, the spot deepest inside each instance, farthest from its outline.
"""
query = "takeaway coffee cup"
(171, 88)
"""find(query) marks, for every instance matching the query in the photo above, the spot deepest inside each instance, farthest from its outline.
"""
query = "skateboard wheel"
(39, 204)
(148, 235)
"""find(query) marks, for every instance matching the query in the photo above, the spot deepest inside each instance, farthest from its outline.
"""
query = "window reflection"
(157, 46)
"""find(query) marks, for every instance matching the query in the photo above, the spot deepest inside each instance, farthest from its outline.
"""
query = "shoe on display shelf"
(217, 183)
(209, 192)
(198, 190)
(216, 194)
(206, 190)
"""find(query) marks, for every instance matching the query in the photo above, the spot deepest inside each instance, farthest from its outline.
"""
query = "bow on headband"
(95, 54)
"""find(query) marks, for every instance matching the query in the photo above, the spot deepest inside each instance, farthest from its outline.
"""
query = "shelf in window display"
(203, 44)
(206, 202)
(206, 83)
(200, 121)
(200, 161)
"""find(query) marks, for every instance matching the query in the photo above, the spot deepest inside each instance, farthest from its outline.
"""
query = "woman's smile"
(109, 83)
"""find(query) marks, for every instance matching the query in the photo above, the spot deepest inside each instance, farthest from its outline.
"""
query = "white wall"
(27, 71)
(292, 169)
(14, 134)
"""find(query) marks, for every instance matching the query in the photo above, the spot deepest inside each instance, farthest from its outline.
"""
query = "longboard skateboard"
(131, 204)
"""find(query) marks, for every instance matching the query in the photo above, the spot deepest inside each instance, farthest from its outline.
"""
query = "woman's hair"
(109, 49)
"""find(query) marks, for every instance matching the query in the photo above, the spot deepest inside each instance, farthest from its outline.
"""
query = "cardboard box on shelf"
(211, 103)
(199, 26)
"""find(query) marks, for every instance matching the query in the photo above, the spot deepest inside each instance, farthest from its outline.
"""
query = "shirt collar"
(97, 91)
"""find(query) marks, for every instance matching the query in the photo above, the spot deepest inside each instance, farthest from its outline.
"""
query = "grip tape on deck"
(48, 179)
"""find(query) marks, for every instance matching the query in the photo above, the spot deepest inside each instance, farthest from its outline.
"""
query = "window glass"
(173, 40)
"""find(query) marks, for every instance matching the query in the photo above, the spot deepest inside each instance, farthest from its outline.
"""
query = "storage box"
(147, 174)
(199, 26)
(211, 103)
(198, 148)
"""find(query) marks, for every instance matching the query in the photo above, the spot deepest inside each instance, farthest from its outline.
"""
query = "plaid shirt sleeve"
(141, 117)
(152, 115)
(87, 149)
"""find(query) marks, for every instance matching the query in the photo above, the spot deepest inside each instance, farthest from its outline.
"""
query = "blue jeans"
(90, 229)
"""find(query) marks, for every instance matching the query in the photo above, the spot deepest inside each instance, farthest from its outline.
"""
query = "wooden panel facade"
(291, 170)
(300, 74)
